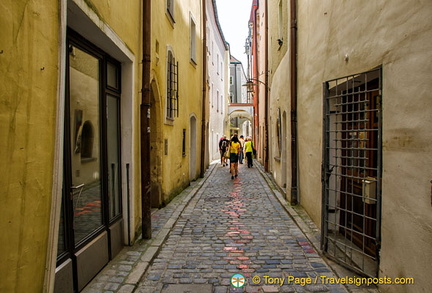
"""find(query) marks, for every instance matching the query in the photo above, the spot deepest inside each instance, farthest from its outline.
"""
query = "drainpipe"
(204, 90)
(145, 122)
(266, 94)
(254, 73)
(293, 85)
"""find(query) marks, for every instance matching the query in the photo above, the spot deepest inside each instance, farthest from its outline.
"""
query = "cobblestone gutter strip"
(312, 233)
(124, 272)
(297, 213)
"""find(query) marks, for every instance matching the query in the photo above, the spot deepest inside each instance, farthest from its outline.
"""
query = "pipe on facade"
(145, 121)
(254, 72)
(266, 94)
(204, 90)
(293, 85)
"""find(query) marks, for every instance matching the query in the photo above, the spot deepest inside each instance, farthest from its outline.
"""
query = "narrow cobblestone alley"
(215, 229)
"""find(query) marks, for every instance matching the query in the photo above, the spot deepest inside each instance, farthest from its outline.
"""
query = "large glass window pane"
(113, 156)
(85, 142)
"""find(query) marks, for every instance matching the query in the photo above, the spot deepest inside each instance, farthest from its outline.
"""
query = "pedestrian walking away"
(241, 154)
(223, 148)
(248, 150)
(234, 156)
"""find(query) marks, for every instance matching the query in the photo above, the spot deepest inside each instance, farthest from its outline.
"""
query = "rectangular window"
(217, 101)
(212, 50)
(217, 63)
(212, 95)
(280, 20)
(193, 40)
(172, 87)
(170, 9)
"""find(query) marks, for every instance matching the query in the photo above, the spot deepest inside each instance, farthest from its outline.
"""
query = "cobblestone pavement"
(216, 228)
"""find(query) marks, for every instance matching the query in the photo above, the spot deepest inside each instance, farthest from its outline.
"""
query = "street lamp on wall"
(250, 84)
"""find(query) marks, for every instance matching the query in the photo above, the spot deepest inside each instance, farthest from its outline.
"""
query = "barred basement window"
(352, 170)
(172, 87)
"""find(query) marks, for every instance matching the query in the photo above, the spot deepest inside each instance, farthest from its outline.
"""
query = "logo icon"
(238, 281)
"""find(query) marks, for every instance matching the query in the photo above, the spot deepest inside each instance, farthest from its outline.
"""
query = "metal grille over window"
(172, 88)
(352, 170)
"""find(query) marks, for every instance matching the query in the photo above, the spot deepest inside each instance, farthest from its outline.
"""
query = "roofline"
(218, 24)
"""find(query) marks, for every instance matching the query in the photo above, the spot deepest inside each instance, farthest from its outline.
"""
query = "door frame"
(89, 255)
(81, 18)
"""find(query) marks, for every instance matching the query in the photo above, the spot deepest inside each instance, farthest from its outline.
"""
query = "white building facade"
(217, 79)
(240, 121)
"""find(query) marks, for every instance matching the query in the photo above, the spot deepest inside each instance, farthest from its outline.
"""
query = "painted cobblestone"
(221, 227)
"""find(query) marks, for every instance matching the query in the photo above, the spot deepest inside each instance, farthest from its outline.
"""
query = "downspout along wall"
(255, 76)
(204, 90)
(293, 85)
(145, 122)
(266, 94)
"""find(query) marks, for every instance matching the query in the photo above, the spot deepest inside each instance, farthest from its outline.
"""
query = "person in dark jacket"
(223, 147)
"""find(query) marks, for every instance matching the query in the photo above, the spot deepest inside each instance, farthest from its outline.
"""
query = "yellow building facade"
(176, 97)
(29, 61)
(72, 137)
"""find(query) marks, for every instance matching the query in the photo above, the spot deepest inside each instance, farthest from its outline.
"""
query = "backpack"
(224, 144)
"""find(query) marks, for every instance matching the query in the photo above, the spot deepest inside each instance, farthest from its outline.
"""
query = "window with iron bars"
(172, 88)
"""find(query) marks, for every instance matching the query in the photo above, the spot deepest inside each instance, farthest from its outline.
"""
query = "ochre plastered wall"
(166, 35)
(28, 94)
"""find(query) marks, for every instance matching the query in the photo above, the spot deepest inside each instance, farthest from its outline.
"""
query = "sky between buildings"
(234, 18)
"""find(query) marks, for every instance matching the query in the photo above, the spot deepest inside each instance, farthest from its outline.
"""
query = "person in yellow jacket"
(248, 150)
(234, 156)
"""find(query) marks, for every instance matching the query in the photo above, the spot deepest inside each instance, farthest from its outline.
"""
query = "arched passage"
(155, 159)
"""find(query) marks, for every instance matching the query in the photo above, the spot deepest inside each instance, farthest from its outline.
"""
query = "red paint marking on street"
(230, 248)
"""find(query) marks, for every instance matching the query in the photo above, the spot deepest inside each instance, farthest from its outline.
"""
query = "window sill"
(193, 62)
(169, 121)
(170, 18)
